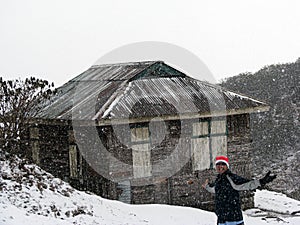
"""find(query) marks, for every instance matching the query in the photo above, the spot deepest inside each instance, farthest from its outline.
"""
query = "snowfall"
(31, 196)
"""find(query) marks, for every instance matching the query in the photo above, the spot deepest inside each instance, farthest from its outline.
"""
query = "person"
(226, 188)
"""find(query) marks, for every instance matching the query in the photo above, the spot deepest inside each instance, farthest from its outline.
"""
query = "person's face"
(221, 167)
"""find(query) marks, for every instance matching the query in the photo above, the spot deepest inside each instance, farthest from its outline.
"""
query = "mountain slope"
(275, 133)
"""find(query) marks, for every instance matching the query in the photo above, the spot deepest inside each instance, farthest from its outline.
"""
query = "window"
(141, 154)
(209, 139)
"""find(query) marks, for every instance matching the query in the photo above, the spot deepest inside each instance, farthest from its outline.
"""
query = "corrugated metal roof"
(171, 96)
(113, 72)
(84, 89)
(143, 89)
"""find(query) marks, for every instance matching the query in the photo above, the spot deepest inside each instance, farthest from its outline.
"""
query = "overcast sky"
(58, 39)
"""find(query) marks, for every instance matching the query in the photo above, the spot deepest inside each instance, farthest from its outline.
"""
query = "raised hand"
(267, 179)
(205, 183)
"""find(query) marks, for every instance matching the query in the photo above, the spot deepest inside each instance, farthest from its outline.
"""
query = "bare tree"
(20, 100)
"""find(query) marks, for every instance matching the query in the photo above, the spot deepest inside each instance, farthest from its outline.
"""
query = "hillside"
(275, 133)
(31, 196)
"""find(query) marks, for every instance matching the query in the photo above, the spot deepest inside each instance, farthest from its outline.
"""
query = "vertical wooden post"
(73, 155)
(73, 161)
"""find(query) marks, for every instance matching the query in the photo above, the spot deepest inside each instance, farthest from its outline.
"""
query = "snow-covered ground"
(31, 196)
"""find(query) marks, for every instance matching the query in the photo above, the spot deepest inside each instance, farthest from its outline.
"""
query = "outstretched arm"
(249, 185)
(252, 184)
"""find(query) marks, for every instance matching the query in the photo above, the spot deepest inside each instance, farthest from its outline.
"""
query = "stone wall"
(184, 188)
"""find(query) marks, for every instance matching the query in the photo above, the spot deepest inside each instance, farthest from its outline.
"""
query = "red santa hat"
(223, 159)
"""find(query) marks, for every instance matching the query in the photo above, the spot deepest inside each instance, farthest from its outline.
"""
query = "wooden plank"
(218, 146)
(200, 151)
(200, 128)
(73, 161)
(218, 126)
(141, 157)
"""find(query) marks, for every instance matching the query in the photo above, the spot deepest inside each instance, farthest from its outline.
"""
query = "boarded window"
(73, 161)
(209, 140)
(218, 146)
(200, 129)
(140, 134)
(218, 138)
(141, 155)
(218, 127)
(200, 146)
(201, 157)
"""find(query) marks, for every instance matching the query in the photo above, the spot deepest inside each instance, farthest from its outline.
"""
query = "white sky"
(58, 39)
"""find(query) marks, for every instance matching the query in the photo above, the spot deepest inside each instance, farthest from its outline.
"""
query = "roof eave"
(258, 109)
(108, 122)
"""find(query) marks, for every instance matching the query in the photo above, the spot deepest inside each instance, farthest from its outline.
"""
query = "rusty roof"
(142, 90)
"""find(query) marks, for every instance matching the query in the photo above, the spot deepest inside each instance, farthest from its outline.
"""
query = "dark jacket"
(227, 199)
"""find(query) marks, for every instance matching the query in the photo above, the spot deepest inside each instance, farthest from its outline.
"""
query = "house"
(143, 132)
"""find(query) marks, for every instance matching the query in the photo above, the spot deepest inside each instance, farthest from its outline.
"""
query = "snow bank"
(31, 196)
